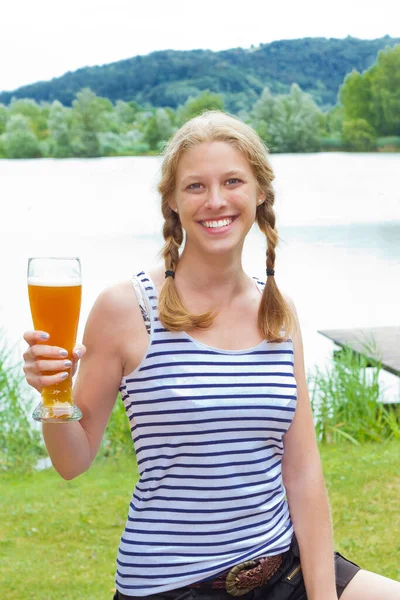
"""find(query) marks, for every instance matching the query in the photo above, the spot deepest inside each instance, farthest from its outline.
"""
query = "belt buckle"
(266, 567)
(232, 579)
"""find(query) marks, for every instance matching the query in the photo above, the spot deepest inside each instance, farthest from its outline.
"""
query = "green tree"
(331, 134)
(334, 120)
(18, 140)
(356, 97)
(25, 106)
(135, 106)
(2, 148)
(36, 114)
(289, 123)
(172, 116)
(3, 118)
(60, 120)
(385, 91)
(302, 122)
(158, 129)
(125, 113)
(195, 106)
(265, 115)
(374, 96)
(111, 144)
(358, 135)
(40, 125)
(88, 119)
(169, 78)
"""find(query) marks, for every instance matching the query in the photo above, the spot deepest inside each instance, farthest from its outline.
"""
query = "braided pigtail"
(172, 312)
(216, 126)
(274, 313)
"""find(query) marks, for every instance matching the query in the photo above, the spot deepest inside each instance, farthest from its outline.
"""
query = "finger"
(45, 380)
(42, 350)
(36, 337)
(56, 366)
(77, 354)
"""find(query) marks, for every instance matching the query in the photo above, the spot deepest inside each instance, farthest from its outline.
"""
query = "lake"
(338, 216)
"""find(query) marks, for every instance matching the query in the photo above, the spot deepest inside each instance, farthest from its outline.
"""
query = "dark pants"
(286, 584)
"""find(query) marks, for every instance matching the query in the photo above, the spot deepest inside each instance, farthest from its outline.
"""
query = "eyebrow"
(227, 174)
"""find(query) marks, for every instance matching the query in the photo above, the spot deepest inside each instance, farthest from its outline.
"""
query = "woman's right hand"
(40, 359)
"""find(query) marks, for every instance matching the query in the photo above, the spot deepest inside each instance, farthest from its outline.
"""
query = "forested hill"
(169, 77)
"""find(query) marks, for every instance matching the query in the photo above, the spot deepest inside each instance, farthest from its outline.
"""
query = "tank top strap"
(146, 296)
(260, 284)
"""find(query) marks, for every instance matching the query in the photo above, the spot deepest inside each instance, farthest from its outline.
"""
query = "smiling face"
(216, 194)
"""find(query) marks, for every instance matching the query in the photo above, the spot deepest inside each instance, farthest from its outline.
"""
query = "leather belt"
(246, 576)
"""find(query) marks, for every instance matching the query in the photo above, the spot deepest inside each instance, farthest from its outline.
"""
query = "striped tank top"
(207, 427)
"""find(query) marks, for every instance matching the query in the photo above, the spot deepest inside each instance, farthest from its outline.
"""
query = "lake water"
(338, 216)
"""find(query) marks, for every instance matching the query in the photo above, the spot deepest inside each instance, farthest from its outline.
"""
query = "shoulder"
(114, 312)
(115, 299)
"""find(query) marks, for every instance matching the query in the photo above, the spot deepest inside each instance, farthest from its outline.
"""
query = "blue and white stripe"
(207, 427)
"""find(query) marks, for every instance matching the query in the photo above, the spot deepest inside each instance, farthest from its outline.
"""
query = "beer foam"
(68, 282)
(62, 409)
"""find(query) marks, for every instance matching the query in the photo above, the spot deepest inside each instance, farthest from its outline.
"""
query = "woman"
(216, 398)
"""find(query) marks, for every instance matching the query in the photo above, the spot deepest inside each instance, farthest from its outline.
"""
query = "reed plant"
(20, 441)
(347, 399)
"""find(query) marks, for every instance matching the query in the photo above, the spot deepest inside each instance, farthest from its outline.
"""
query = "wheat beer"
(55, 303)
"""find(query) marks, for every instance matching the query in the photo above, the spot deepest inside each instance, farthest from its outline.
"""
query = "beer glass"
(55, 291)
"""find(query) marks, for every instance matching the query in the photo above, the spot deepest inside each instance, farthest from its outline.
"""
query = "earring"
(260, 200)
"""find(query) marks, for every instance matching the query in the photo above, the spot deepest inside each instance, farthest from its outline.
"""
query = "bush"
(2, 147)
(358, 135)
(390, 143)
(331, 143)
(18, 140)
(117, 437)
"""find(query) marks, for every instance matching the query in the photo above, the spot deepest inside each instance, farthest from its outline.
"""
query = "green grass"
(59, 539)
(363, 483)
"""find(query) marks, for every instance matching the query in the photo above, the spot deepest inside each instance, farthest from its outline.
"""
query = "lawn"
(59, 539)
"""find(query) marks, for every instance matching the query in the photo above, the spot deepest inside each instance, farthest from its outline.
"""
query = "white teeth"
(213, 224)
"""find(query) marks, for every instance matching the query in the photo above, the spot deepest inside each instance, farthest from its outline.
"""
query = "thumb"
(77, 354)
(78, 351)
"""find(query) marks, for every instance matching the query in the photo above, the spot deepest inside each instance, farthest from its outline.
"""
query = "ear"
(172, 204)
(261, 195)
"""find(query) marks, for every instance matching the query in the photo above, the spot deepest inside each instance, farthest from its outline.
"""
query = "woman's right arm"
(72, 446)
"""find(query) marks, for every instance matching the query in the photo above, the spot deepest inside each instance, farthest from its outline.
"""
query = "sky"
(44, 39)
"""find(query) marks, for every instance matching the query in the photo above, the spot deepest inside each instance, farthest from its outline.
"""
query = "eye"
(234, 180)
(194, 186)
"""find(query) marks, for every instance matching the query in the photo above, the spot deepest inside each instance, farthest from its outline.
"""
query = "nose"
(215, 198)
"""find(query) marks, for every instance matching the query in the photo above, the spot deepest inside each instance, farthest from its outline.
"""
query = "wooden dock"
(376, 343)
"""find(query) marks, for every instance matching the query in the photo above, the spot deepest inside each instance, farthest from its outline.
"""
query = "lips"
(219, 225)
(218, 219)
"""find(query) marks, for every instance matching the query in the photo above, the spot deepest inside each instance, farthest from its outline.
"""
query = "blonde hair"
(274, 313)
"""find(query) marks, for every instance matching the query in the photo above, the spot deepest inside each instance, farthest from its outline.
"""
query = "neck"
(218, 279)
